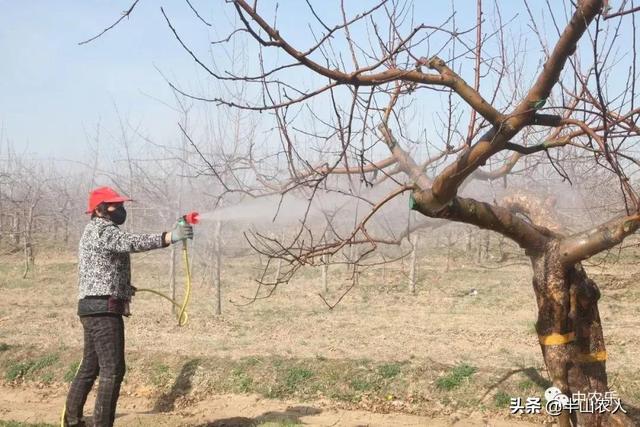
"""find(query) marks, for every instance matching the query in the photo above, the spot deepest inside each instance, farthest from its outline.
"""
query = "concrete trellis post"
(325, 272)
(217, 267)
(412, 271)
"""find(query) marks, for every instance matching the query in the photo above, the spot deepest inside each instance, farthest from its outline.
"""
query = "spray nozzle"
(191, 218)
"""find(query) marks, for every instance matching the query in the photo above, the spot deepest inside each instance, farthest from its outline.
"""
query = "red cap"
(104, 195)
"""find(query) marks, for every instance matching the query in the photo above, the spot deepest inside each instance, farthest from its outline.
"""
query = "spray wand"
(191, 218)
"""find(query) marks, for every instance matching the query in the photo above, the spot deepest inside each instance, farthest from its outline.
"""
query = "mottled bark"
(492, 217)
(583, 245)
(568, 307)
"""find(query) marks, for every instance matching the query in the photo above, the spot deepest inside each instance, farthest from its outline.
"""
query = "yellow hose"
(183, 317)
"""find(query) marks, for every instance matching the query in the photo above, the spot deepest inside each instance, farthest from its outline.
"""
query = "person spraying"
(104, 295)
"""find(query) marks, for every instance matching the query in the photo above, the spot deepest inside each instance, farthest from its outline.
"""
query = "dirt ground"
(36, 406)
(346, 354)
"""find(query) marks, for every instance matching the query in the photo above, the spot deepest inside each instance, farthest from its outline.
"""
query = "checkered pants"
(104, 356)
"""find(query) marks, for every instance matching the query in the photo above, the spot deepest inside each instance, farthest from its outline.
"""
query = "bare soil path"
(33, 405)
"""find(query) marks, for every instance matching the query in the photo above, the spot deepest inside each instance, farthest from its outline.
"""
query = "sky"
(54, 92)
(53, 89)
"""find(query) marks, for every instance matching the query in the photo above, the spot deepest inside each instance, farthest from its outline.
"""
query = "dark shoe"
(80, 423)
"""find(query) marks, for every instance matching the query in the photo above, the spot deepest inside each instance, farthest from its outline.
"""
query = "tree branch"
(125, 14)
(491, 217)
(583, 245)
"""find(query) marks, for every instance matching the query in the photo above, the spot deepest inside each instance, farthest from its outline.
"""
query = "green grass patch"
(21, 424)
(242, 382)
(47, 377)
(250, 361)
(295, 376)
(70, 373)
(20, 370)
(290, 380)
(363, 384)
(161, 375)
(456, 377)
(389, 370)
(342, 380)
(526, 385)
(17, 370)
(502, 399)
(4, 347)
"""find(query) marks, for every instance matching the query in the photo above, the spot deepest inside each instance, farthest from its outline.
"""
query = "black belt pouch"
(91, 305)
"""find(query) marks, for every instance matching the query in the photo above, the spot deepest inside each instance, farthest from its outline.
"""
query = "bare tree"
(369, 74)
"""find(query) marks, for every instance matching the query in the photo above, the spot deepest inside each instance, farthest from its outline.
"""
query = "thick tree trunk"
(570, 334)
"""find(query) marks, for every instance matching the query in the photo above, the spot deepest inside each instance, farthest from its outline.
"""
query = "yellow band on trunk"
(557, 339)
(598, 356)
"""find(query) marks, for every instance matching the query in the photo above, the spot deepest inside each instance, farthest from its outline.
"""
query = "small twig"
(621, 13)
(124, 15)
(197, 14)
(332, 306)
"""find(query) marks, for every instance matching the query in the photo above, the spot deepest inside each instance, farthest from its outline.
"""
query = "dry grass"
(381, 349)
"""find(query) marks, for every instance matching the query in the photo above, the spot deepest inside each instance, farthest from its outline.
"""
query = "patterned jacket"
(104, 265)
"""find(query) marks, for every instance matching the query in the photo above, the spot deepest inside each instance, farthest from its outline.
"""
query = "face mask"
(118, 216)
